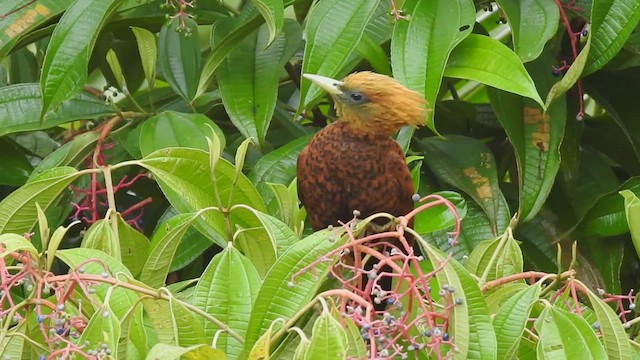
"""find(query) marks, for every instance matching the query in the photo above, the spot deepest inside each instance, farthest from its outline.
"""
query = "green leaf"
(512, 318)
(29, 16)
(277, 299)
(64, 70)
(328, 339)
(273, 13)
(632, 210)
(173, 352)
(502, 254)
(333, 30)
(536, 137)
(100, 236)
(12, 344)
(116, 69)
(20, 107)
(596, 349)
(121, 301)
(277, 166)
(70, 154)
(263, 244)
(614, 336)
(14, 243)
(612, 21)
(440, 217)
(558, 337)
(227, 290)
(18, 210)
(468, 164)
(249, 77)
(533, 23)
(148, 52)
(162, 249)
(103, 328)
(433, 30)
(184, 176)
(15, 165)
(132, 245)
(607, 217)
(488, 61)
(571, 76)
(469, 321)
(173, 129)
(179, 56)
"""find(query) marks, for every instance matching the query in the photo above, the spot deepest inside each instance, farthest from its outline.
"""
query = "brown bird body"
(354, 164)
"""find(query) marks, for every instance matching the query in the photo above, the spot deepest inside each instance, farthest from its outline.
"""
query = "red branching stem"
(573, 40)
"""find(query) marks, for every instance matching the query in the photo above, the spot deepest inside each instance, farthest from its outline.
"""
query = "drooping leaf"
(536, 136)
(273, 13)
(483, 59)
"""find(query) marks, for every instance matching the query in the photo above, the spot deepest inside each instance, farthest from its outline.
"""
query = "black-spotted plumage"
(341, 171)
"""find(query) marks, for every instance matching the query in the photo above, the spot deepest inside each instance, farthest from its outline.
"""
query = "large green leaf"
(558, 337)
(179, 56)
(533, 23)
(148, 52)
(469, 322)
(535, 135)
(162, 249)
(22, 17)
(248, 77)
(511, 319)
(483, 59)
(227, 290)
(184, 175)
(174, 129)
(333, 30)
(468, 164)
(614, 337)
(433, 29)
(20, 107)
(284, 290)
(18, 210)
(612, 21)
(328, 339)
(64, 69)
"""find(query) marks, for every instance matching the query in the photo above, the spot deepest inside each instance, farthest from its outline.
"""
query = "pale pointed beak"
(332, 86)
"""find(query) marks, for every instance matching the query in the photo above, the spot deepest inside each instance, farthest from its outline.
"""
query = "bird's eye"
(356, 97)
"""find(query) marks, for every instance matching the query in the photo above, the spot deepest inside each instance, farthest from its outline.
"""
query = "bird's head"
(373, 103)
